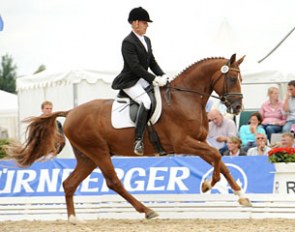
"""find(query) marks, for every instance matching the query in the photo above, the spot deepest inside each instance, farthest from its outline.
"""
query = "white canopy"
(8, 103)
(8, 114)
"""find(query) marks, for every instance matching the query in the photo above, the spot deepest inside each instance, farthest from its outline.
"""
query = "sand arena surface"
(156, 225)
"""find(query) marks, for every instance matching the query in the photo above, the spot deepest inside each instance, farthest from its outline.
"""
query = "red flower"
(280, 154)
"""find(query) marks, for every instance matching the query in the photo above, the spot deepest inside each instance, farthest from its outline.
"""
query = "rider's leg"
(138, 94)
(141, 121)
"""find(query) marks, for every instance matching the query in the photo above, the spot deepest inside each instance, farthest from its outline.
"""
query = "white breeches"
(138, 94)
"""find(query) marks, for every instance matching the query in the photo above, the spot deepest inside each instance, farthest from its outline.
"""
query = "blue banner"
(142, 175)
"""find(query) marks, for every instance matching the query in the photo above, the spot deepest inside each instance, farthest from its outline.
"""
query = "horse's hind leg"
(83, 168)
(113, 182)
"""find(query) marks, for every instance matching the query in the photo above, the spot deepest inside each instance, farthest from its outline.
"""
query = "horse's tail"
(42, 138)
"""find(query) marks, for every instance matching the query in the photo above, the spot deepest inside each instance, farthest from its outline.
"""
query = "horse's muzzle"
(233, 103)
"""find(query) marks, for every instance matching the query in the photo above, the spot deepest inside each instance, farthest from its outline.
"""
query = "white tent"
(8, 114)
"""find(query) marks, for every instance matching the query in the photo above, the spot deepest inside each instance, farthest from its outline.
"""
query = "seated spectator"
(261, 147)
(234, 147)
(272, 113)
(289, 107)
(248, 132)
(220, 129)
(287, 140)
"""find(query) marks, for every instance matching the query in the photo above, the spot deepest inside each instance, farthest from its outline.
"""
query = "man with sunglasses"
(261, 148)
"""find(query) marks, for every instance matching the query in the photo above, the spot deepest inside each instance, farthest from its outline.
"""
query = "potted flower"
(281, 155)
(284, 162)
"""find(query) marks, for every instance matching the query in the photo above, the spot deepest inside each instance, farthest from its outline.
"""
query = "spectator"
(261, 147)
(289, 107)
(287, 140)
(220, 129)
(248, 132)
(272, 113)
(234, 147)
(46, 108)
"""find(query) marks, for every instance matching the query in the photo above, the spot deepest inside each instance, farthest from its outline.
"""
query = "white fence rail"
(168, 206)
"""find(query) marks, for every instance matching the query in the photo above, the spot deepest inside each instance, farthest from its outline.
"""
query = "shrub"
(2, 143)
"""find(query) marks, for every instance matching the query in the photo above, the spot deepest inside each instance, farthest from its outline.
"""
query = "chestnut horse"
(182, 129)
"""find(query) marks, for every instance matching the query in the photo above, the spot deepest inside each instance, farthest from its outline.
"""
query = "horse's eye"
(233, 79)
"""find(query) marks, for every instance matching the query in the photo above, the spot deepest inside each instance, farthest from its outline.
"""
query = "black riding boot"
(141, 121)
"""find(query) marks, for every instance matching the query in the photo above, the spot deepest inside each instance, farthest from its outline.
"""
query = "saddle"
(133, 105)
(124, 109)
(124, 112)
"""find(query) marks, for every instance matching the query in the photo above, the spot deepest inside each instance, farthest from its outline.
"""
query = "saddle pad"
(120, 111)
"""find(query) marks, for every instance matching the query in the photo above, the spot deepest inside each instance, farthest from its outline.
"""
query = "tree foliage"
(8, 74)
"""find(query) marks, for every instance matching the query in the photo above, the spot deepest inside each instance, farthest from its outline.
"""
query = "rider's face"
(140, 27)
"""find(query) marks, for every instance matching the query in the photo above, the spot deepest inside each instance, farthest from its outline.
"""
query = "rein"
(224, 70)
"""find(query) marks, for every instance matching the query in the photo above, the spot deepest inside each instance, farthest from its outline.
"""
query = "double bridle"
(226, 94)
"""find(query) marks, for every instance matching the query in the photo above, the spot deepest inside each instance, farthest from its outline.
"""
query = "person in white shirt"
(261, 148)
(220, 129)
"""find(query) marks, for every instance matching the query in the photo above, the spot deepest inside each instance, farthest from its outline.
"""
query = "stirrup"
(138, 147)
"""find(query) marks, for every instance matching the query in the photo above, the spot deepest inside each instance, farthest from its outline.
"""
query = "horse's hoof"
(245, 202)
(74, 221)
(151, 214)
(206, 186)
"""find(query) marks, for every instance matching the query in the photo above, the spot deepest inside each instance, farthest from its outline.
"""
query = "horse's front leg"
(215, 161)
(207, 153)
(212, 156)
(243, 199)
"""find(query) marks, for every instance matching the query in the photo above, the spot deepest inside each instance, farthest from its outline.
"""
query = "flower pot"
(284, 181)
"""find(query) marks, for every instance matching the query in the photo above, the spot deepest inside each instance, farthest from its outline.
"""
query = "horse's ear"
(241, 60)
(232, 59)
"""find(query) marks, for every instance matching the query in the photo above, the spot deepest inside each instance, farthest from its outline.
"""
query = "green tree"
(8, 74)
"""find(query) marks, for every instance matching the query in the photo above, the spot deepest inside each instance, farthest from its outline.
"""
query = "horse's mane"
(188, 68)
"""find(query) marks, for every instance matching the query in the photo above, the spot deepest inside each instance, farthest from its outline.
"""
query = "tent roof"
(45, 78)
(8, 102)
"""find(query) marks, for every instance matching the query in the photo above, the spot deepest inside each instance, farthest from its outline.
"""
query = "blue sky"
(87, 34)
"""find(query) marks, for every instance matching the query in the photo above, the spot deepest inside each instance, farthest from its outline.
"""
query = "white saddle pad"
(120, 111)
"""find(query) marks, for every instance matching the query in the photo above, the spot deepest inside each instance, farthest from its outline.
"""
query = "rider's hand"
(166, 77)
(160, 81)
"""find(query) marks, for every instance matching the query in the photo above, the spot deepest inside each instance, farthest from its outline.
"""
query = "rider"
(135, 78)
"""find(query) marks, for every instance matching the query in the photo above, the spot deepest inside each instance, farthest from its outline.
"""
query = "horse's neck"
(195, 82)
(195, 79)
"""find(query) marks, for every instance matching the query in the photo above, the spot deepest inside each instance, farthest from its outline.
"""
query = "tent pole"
(75, 94)
(279, 44)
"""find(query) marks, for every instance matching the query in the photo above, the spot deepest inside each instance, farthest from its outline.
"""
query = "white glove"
(166, 77)
(160, 81)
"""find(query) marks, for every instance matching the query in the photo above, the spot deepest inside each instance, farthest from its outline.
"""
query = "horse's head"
(227, 83)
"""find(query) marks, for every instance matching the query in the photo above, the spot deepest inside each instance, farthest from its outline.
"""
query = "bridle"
(226, 94)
